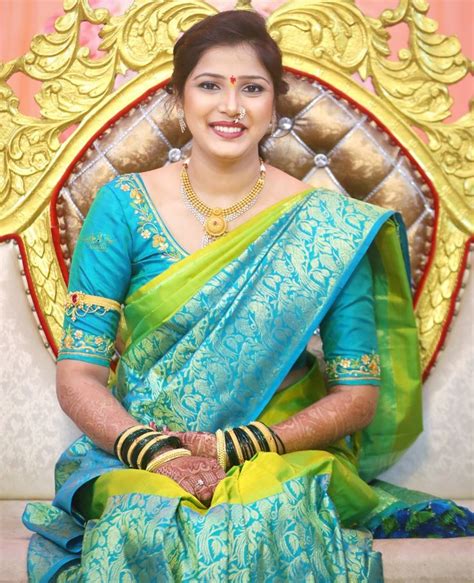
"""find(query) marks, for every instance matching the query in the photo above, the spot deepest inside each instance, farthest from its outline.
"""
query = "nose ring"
(240, 116)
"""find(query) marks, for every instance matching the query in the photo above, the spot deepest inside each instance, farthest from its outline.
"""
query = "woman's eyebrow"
(216, 76)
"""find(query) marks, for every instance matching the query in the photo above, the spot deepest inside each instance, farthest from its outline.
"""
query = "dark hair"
(227, 28)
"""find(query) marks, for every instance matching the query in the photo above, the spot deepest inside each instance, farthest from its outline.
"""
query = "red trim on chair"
(435, 195)
(54, 221)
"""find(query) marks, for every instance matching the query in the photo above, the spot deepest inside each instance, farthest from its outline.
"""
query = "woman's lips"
(229, 132)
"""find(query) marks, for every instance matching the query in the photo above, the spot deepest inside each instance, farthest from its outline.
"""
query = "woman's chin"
(226, 151)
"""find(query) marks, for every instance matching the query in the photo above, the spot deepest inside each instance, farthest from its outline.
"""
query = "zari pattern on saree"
(273, 295)
(293, 535)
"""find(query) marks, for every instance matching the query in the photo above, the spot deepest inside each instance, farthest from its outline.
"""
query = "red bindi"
(233, 79)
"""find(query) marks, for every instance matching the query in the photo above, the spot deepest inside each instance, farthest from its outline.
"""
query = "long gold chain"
(215, 220)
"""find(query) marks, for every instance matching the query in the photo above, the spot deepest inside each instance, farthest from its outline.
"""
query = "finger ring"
(199, 483)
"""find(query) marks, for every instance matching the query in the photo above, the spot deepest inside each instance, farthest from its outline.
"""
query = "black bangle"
(260, 437)
(278, 440)
(248, 448)
(171, 441)
(128, 442)
(138, 447)
(230, 449)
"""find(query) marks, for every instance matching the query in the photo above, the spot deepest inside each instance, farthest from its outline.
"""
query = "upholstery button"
(321, 160)
(174, 155)
(285, 123)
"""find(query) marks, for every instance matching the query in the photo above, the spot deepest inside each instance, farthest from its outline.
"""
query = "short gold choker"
(215, 220)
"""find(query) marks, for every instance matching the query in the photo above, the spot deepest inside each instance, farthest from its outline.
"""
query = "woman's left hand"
(199, 443)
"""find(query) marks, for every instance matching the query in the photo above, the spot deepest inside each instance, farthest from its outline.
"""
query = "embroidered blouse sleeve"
(98, 283)
(349, 335)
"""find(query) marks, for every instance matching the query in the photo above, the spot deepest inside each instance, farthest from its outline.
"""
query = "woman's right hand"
(197, 475)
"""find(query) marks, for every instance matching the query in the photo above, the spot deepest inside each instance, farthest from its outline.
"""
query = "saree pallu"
(208, 342)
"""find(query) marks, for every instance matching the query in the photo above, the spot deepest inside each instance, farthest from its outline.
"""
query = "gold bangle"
(166, 457)
(221, 451)
(124, 436)
(267, 434)
(252, 437)
(135, 443)
(238, 449)
(147, 446)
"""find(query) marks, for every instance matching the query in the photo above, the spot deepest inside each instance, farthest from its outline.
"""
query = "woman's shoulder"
(282, 184)
(327, 195)
(122, 184)
(120, 192)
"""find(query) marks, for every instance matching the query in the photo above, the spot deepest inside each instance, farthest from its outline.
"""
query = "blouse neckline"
(171, 238)
(160, 220)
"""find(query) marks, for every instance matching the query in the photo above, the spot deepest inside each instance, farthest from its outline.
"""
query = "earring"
(182, 123)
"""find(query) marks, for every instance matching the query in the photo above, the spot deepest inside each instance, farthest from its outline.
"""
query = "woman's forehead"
(238, 60)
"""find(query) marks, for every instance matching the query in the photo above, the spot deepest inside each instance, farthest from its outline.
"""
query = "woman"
(218, 450)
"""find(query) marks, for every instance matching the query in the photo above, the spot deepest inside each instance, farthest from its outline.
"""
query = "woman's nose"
(230, 103)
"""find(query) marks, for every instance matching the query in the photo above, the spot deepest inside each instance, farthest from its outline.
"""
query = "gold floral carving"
(41, 259)
(330, 39)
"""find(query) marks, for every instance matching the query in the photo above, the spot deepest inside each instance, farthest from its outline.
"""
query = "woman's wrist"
(171, 455)
(234, 446)
(280, 439)
(141, 447)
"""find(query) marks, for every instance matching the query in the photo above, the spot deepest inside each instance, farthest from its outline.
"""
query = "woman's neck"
(221, 183)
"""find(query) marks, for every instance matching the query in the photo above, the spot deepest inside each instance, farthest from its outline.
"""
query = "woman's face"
(224, 80)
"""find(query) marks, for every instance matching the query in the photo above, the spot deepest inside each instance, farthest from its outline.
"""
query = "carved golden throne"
(332, 131)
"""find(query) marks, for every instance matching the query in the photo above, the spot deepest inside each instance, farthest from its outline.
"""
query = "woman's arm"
(345, 410)
(85, 398)
(82, 392)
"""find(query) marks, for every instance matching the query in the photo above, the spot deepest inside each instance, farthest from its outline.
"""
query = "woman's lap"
(273, 519)
(258, 479)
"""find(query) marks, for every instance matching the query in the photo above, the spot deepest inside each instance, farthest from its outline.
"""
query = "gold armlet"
(79, 304)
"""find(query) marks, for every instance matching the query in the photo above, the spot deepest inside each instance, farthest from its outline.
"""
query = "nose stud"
(240, 116)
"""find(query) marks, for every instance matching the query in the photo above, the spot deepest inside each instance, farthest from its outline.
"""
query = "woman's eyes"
(208, 85)
(251, 88)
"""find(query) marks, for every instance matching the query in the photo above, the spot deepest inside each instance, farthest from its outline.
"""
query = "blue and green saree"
(208, 338)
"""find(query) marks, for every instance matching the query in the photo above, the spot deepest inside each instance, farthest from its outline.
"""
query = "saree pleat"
(207, 344)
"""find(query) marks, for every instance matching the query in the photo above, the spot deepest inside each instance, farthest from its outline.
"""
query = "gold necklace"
(215, 220)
